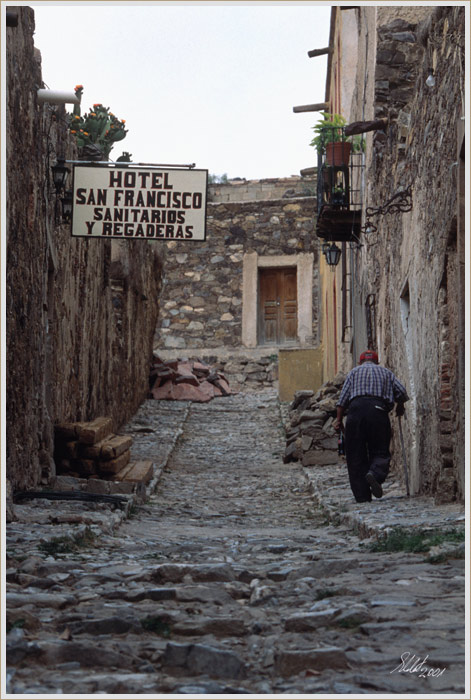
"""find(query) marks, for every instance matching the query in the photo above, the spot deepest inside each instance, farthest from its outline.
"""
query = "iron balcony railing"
(340, 169)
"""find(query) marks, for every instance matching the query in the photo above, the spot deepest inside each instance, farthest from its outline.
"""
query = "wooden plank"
(91, 451)
(84, 467)
(95, 430)
(65, 431)
(109, 448)
(319, 52)
(113, 466)
(66, 450)
(363, 127)
(115, 446)
(119, 476)
(141, 471)
(319, 107)
(289, 304)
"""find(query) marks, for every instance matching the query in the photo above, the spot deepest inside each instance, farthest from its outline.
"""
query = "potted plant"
(338, 196)
(330, 139)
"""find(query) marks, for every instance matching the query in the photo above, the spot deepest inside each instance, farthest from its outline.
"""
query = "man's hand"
(400, 409)
(338, 422)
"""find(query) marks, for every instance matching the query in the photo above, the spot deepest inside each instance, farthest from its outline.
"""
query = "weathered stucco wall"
(80, 316)
(411, 264)
(202, 297)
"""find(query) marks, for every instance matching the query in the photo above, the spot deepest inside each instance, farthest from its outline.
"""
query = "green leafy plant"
(402, 540)
(358, 144)
(67, 545)
(329, 129)
(99, 126)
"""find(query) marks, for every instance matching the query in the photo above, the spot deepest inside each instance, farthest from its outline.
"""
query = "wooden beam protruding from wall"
(319, 52)
(362, 127)
(319, 107)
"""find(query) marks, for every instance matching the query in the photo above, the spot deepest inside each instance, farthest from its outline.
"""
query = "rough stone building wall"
(80, 314)
(411, 264)
(242, 190)
(203, 288)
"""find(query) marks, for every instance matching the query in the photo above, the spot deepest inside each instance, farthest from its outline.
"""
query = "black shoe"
(363, 500)
(376, 489)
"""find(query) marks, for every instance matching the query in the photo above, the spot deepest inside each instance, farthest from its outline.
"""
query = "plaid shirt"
(369, 379)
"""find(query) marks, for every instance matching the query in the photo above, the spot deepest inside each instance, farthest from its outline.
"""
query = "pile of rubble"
(90, 450)
(250, 374)
(186, 380)
(310, 435)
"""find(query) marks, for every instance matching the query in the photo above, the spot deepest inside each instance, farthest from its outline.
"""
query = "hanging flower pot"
(338, 153)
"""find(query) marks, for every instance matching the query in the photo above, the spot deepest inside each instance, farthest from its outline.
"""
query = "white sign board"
(139, 203)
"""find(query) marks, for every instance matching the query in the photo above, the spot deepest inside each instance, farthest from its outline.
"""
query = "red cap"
(369, 355)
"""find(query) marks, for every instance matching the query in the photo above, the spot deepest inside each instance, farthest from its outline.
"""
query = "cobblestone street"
(236, 574)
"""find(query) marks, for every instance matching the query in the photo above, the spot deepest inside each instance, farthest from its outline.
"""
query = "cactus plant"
(99, 126)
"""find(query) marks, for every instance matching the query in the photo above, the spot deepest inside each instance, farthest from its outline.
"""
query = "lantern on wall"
(59, 174)
(332, 254)
(67, 203)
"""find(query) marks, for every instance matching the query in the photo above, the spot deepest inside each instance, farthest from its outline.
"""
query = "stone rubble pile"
(90, 450)
(186, 380)
(248, 373)
(310, 435)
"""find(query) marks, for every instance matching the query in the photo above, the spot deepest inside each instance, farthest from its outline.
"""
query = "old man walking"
(369, 393)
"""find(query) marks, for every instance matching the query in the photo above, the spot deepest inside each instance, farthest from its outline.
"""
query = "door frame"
(304, 264)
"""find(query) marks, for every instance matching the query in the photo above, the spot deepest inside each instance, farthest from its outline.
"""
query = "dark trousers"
(367, 438)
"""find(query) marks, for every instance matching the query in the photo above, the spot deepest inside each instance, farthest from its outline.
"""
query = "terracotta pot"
(338, 152)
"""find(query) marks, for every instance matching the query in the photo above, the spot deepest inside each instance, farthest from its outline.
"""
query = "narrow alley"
(236, 574)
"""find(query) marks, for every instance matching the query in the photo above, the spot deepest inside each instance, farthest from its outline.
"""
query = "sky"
(207, 83)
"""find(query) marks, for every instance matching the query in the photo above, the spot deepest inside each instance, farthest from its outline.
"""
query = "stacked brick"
(91, 450)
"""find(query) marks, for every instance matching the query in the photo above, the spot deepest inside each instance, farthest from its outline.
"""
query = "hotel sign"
(139, 203)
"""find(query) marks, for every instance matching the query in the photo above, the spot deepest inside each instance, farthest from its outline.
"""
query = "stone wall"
(202, 293)
(241, 190)
(80, 314)
(411, 263)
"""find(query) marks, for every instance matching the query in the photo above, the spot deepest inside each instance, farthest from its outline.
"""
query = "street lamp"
(59, 174)
(67, 204)
(332, 255)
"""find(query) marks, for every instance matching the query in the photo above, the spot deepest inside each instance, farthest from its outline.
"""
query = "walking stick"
(406, 475)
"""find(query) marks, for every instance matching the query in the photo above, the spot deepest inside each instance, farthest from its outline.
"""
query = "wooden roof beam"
(319, 52)
(363, 127)
(319, 107)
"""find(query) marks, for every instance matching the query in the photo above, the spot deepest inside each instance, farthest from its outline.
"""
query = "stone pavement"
(235, 573)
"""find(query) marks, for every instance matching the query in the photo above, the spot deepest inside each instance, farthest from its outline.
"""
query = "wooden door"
(278, 306)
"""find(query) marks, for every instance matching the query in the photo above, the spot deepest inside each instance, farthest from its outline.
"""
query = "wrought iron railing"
(339, 170)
